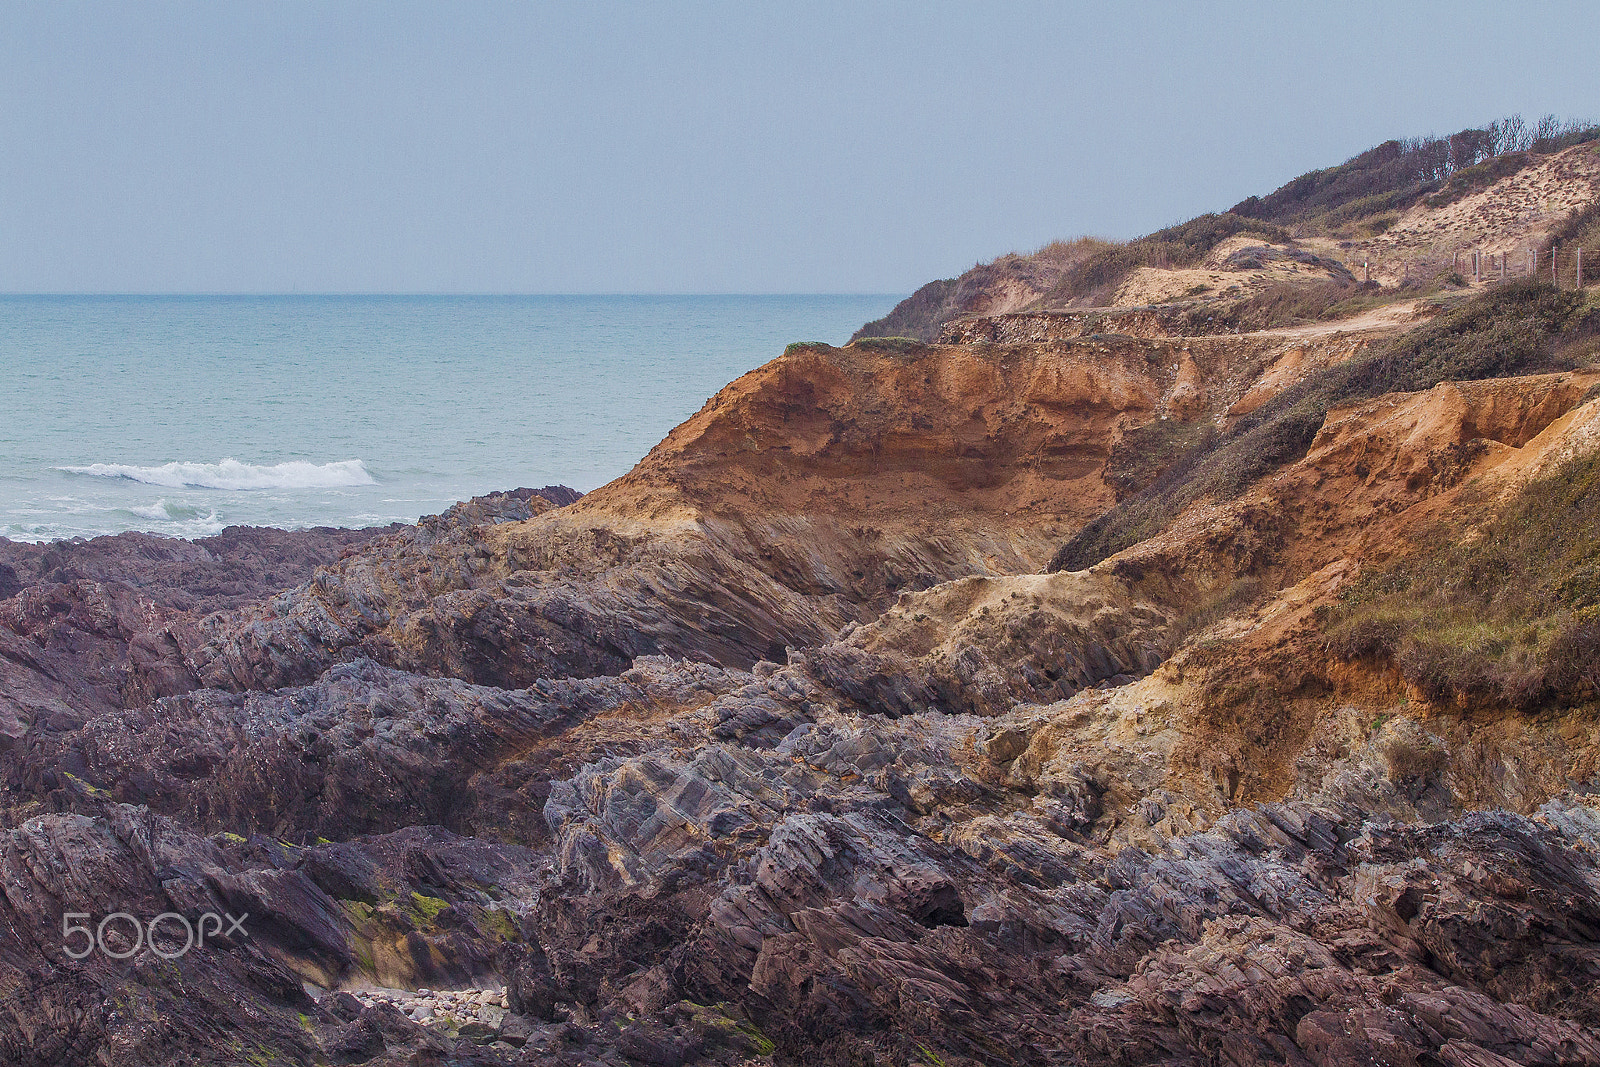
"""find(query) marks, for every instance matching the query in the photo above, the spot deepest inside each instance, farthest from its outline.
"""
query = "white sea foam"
(197, 526)
(232, 474)
(158, 510)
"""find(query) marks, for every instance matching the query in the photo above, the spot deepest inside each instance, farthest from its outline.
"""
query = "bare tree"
(1432, 156)
(1510, 134)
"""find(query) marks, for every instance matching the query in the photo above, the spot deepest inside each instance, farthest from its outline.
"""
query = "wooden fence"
(1564, 265)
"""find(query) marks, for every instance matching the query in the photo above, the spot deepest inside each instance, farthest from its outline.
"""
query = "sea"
(181, 415)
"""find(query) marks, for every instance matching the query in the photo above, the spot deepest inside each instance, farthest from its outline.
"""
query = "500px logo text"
(143, 935)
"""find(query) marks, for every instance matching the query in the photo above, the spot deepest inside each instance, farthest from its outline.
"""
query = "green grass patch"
(428, 908)
(502, 923)
(763, 1045)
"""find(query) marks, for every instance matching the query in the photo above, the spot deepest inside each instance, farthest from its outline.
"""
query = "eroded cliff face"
(804, 497)
(783, 749)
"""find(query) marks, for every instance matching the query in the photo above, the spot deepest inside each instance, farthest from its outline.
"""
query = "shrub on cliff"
(924, 312)
(1395, 174)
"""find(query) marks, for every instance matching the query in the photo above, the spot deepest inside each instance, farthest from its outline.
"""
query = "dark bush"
(1472, 179)
(1396, 174)
(1411, 760)
(1146, 452)
(890, 344)
(1572, 664)
(1581, 228)
(1286, 304)
(1392, 167)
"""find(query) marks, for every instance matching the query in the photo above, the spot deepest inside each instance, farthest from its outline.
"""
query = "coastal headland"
(1184, 651)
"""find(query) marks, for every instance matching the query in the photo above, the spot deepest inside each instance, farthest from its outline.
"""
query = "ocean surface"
(183, 415)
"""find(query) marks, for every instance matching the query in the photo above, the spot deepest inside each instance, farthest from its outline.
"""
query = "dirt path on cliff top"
(1387, 317)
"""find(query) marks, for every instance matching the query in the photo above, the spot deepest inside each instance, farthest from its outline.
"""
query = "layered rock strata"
(781, 749)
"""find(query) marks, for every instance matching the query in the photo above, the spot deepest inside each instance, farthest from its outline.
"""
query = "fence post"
(1580, 267)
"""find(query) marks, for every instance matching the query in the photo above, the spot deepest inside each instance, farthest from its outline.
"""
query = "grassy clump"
(1145, 452)
(1518, 328)
(889, 344)
(1411, 759)
(1218, 605)
(1508, 613)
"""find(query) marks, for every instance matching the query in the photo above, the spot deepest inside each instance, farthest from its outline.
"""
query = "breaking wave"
(232, 474)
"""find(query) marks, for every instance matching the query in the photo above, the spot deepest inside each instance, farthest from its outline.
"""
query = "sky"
(698, 147)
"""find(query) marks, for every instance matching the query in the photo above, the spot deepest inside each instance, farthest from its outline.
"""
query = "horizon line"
(416, 293)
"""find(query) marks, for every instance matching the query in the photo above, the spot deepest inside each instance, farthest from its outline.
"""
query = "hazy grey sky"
(697, 147)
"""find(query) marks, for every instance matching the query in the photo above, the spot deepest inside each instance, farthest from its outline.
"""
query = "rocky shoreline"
(502, 788)
(791, 747)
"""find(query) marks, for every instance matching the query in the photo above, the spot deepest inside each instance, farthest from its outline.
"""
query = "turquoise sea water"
(182, 415)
